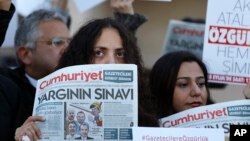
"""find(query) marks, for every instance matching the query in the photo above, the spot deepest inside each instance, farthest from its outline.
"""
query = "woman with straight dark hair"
(179, 81)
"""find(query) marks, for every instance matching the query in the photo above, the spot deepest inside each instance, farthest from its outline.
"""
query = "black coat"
(5, 17)
(9, 108)
(19, 97)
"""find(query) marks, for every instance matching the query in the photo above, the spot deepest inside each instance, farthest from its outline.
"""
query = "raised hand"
(122, 6)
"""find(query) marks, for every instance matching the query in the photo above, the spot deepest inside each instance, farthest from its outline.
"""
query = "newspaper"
(103, 98)
(214, 116)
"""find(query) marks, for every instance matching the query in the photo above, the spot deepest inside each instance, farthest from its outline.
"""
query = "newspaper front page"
(97, 102)
(213, 116)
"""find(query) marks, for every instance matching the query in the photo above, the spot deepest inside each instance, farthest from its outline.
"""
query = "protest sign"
(185, 36)
(227, 40)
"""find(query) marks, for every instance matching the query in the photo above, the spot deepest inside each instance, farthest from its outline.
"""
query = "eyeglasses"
(57, 41)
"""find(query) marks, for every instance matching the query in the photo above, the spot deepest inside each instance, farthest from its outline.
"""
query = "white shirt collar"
(84, 138)
(32, 81)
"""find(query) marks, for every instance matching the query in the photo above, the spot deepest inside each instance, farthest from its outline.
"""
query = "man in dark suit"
(40, 40)
(84, 131)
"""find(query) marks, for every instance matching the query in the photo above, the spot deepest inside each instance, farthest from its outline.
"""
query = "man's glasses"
(57, 41)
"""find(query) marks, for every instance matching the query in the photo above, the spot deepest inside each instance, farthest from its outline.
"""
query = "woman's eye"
(182, 85)
(120, 54)
(99, 53)
(201, 84)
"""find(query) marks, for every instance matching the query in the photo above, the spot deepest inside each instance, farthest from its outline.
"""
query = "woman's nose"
(110, 60)
(196, 90)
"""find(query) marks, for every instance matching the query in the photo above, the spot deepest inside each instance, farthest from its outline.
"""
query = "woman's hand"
(29, 129)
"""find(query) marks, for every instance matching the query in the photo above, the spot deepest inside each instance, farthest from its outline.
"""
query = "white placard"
(227, 40)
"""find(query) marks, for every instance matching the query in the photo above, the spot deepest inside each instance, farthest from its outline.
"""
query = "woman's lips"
(195, 104)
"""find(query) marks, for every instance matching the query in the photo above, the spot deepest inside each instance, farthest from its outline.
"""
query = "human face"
(72, 128)
(190, 90)
(71, 115)
(95, 111)
(80, 117)
(84, 131)
(45, 56)
(108, 48)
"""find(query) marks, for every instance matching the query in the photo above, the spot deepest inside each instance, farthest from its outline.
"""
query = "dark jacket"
(10, 108)
(131, 22)
(20, 98)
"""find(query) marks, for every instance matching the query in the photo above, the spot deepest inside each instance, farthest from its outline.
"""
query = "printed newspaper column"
(97, 102)
(227, 40)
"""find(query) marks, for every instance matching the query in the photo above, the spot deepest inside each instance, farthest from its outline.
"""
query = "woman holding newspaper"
(179, 82)
(105, 41)
(102, 41)
(123, 10)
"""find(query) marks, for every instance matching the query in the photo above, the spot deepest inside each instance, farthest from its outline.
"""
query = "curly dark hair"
(81, 51)
(81, 48)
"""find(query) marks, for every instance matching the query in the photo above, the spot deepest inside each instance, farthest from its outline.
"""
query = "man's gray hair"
(27, 32)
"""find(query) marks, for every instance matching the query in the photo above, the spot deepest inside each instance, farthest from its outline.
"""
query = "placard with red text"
(227, 41)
